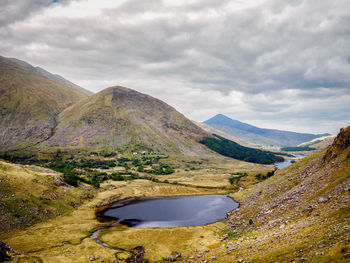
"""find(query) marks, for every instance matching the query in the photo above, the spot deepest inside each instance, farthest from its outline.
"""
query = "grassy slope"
(302, 213)
(117, 116)
(30, 194)
(29, 105)
(319, 143)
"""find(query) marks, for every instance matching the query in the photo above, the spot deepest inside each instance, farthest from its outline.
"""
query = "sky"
(271, 63)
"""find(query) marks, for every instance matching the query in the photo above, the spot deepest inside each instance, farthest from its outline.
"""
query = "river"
(286, 163)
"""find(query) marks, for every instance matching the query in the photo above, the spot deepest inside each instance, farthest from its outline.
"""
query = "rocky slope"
(256, 135)
(29, 104)
(301, 214)
(118, 118)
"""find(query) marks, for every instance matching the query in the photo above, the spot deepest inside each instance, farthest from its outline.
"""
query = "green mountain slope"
(256, 135)
(29, 104)
(118, 118)
(239, 152)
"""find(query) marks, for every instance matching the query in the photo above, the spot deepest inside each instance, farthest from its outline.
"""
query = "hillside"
(118, 118)
(29, 104)
(301, 214)
(239, 152)
(54, 77)
(319, 143)
(31, 194)
(212, 130)
(256, 135)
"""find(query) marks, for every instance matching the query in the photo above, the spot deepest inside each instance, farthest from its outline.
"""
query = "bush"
(70, 178)
(117, 177)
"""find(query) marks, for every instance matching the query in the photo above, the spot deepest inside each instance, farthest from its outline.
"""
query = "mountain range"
(256, 135)
(43, 110)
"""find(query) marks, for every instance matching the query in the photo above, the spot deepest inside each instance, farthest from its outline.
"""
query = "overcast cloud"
(276, 64)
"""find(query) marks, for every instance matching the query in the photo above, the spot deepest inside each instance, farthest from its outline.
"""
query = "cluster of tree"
(72, 176)
(82, 170)
(265, 176)
(239, 152)
(297, 149)
(93, 163)
(233, 180)
(161, 169)
(24, 159)
(104, 154)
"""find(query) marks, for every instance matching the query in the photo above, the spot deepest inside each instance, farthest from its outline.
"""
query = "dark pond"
(286, 163)
(171, 211)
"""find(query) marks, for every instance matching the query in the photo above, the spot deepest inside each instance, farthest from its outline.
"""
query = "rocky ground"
(301, 214)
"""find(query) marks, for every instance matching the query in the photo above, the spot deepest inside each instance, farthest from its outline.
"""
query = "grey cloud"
(272, 56)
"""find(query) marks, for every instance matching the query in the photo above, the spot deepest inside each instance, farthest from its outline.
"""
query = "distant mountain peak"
(256, 135)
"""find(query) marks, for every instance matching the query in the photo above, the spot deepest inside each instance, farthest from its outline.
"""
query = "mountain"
(256, 135)
(51, 76)
(118, 118)
(29, 105)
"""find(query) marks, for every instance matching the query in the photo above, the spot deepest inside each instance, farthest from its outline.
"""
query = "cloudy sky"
(272, 63)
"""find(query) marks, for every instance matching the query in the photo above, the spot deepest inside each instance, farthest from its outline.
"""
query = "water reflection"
(171, 211)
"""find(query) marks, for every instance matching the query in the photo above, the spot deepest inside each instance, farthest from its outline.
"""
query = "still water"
(171, 211)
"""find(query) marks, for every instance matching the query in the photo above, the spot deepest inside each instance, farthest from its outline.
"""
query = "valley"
(67, 238)
(277, 207)
(67, 155)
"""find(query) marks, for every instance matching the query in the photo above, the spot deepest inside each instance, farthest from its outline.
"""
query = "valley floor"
(301, 214)
(67, 238)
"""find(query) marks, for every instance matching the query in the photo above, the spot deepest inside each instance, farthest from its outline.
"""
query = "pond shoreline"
(169, 211)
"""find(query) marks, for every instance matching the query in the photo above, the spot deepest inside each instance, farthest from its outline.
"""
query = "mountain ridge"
(30, 104)
(54, 77)
(256, 135)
